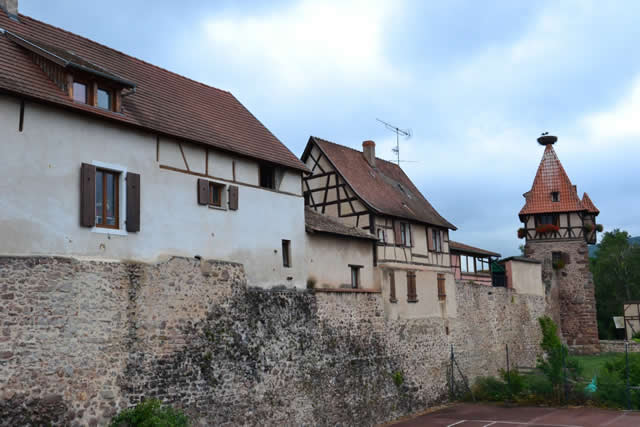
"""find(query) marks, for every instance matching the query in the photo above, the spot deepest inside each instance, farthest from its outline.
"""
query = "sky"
(475, 82)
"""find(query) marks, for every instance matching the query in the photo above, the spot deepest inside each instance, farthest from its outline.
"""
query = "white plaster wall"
(39, 203)
(328, 258)
(527, 278)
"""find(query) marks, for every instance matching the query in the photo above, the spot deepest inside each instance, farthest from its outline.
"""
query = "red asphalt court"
(473, 415)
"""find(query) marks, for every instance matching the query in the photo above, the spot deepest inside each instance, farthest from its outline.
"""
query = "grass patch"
(595, 365)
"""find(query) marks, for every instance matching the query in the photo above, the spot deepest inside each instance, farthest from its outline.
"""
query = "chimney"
(369, 152)
(11, 7)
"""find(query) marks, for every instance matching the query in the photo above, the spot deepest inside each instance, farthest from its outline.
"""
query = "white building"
(105, 156)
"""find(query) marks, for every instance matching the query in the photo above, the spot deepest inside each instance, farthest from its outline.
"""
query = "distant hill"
(594, 248)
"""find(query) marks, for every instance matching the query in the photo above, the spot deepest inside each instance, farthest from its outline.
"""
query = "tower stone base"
(570, 291)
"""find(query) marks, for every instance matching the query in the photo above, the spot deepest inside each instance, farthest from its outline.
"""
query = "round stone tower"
(557, 226)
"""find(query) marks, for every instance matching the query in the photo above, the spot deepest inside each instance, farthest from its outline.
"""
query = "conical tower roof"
(588, 204)
(551, 178)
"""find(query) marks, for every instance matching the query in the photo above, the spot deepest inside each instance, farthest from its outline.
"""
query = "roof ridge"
(123, 53)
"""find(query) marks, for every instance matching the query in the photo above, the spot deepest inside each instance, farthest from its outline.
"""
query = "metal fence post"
(564, 376)
(626, 358)
(508, 369)
(452, 367)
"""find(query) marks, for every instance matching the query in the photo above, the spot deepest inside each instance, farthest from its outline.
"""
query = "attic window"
(555, 196)
(104, 99)
(267, 177)
(80, 92)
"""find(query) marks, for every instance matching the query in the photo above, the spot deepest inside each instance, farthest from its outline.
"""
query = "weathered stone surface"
(87, 339)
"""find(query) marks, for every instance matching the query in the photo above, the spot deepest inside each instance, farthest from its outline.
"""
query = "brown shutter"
(203, 192)
(233, 197)
(133, 202)
(442, 294)
(397, 235)
(392, 286)
(411, 286)
(88, 195)
(410, 235)
(430, 239)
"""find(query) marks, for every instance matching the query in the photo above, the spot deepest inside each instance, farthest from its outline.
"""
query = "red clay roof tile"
(164, 102)
(461, 247)
(588, 204)
(385, 188)
(551, 177)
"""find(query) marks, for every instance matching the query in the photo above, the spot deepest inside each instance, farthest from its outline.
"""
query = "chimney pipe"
(369, 152)
(11, 7)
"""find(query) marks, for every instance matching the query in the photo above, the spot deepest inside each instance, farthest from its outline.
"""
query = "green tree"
(616, 275)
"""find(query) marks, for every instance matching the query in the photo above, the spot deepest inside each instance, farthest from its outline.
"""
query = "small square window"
(555, 196)
(355, 276)
(286, 253)
(215, 194)
(80, 92)
(267, 177)
(381, 237)
(405, 234)
(437, 240)
(104, 99)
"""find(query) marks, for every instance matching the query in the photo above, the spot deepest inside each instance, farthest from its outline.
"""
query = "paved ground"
(476, 415)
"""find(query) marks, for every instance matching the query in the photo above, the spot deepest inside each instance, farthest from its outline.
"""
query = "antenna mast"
(404, 132)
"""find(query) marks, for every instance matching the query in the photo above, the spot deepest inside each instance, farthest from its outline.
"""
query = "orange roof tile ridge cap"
(124, 54)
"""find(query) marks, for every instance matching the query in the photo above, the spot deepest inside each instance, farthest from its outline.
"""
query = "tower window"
(286, 253)
(555, 196)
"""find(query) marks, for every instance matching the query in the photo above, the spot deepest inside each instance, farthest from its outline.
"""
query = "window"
(392, 286)
(437, 240)
(555, 196)
(556, 257)
(482, 265)
(355, 276)
(412, 294)
(267, 177)
(215, 194)
(545, 219)
(466, 264)
(104, 99)
(405, 234)
(381, 236)
(107, 209)
(442, 294)
(286, 253)
(80, 92)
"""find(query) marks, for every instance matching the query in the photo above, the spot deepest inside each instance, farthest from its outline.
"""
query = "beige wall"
(40, 203)
(525, 277)
(328, 257)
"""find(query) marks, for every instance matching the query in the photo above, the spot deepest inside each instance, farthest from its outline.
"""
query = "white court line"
(613, 420)
(520, 423)
(490, 424)
(455, 424)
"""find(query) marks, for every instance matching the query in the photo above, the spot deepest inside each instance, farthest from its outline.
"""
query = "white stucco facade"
(40, 200)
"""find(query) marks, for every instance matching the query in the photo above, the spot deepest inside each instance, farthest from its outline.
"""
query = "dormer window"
(80, 92)
(555, 196)
(104, 99)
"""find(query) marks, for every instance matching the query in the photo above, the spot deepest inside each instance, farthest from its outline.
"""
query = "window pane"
(111, 199)
(79, 92)
(98, 197)
(104, 99)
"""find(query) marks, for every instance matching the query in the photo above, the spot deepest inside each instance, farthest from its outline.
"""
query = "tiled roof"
(316, 222)
(588, 204)
(164, 102)
(461, 247)
(385, 188)
(551, 177)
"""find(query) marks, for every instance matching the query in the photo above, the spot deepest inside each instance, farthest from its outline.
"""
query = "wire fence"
(562, 379)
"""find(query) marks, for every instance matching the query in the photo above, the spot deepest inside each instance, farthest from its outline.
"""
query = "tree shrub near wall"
(150, 413)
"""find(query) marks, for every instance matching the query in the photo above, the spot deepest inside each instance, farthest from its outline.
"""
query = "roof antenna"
(404, 132)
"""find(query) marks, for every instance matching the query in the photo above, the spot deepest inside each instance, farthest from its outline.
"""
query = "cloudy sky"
(476, 82)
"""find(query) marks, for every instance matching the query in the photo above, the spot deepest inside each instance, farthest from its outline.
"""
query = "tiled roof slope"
(385, 188)
(551, 177)
(461, 247)
(588, 204)
(164, 102)
(317, 222)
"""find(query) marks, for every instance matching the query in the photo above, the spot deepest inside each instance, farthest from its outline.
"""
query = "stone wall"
(617, 346)
(82, 340)
(570, 290)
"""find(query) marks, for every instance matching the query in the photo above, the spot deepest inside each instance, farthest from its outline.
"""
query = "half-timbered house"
(411, 252)
(472, 264)
(166, 165)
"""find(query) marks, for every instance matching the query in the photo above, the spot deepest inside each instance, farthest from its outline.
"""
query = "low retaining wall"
(617, 346)
(82, 340)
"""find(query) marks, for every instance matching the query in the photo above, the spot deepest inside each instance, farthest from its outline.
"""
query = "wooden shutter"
(397, 234)
(410, 234)
(411, 286)
(430, 239)
(88, 195)
(392, 286)
(203, 192)
(233, 197)
(133, 202)
(442, 294)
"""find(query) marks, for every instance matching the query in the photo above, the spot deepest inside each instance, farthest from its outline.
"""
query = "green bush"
(150, 413)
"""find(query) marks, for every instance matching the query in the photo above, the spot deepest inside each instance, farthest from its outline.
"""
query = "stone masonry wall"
(571, 292)
(82, 340)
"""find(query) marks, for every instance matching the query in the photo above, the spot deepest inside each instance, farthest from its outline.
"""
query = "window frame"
(554, 217)
(436, 236)
(263, 168)
(86, 91)
(286, 253)
(392, 287)
(109, 92)
(381, 234)
(122, 191)
(356, 279)
(219, 190)
(555, 196)
(116, 197)
(405, 234)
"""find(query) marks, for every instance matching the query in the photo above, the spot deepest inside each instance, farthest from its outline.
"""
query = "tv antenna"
(404, 132)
